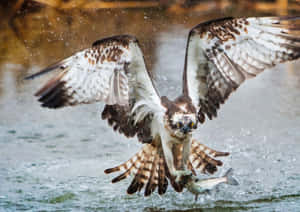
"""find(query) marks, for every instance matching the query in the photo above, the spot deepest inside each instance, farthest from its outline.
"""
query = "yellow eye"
(192, 124)
(179, 124)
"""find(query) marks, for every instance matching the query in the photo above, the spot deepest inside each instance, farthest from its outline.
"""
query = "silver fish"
(197, 186)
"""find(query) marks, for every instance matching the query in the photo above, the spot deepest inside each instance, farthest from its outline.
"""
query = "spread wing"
(112, 71)
(223, 53)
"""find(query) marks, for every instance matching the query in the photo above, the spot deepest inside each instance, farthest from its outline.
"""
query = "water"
(53, 160)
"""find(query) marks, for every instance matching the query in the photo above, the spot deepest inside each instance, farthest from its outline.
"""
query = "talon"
(180, 174)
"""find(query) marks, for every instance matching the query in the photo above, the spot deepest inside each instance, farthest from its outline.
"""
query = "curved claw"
(180, 175)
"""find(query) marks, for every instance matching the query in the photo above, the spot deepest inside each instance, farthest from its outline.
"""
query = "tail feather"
(121, 176)
(138, 181)
(144, 172)
(151, 171)
(201, 160)
(127, 165)
(149, 168)
(162, 178)
(130, 166)
(153, 180)
(208, 150)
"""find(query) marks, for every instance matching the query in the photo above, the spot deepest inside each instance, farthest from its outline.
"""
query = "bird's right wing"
(221, 54)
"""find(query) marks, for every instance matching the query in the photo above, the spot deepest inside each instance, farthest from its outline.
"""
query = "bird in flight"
(220, 55)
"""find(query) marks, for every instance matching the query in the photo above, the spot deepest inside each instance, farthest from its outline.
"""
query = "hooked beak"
(185, 129)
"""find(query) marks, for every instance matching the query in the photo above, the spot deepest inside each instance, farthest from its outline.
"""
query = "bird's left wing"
(112, 71)
(221, 54)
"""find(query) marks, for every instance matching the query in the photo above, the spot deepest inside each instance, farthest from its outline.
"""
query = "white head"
(180, 117)
(182, 124)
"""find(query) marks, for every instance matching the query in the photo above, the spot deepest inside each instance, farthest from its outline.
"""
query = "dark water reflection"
(54, 159)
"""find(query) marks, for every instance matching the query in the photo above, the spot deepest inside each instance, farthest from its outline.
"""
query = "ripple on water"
(50, 146)
(12, 132)
(58, 136)
(61, 198)
(31, 138)
(85, 140)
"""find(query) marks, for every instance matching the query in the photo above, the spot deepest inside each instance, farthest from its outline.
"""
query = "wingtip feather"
(120, 177)
(111, 170)
(46, 70)
(53, 94)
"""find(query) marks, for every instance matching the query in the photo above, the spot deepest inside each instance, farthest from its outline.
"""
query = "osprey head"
(180, 117)
(182, 123)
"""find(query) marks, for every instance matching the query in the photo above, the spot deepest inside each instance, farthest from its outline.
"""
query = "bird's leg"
(177, 172)
(186, 153)
(183, 171)
(167, 149)
(185, 159)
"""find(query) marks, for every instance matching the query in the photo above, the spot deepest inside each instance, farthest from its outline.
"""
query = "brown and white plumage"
(111, 71)
(105, 72)
(151, 171)
(220, 55)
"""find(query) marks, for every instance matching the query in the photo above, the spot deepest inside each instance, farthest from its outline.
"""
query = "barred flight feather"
(153, 179)
(112, 71)
(149, 168)
(222, 54)
(162, 176)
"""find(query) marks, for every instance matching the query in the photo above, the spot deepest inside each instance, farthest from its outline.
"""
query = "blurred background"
(53, 160)
(40, 32)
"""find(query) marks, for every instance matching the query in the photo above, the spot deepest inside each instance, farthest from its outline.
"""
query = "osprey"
(220, 55)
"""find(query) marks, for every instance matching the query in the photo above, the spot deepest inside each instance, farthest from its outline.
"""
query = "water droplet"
(12, 131)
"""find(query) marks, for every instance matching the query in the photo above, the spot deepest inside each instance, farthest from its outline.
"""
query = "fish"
(197, 186)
